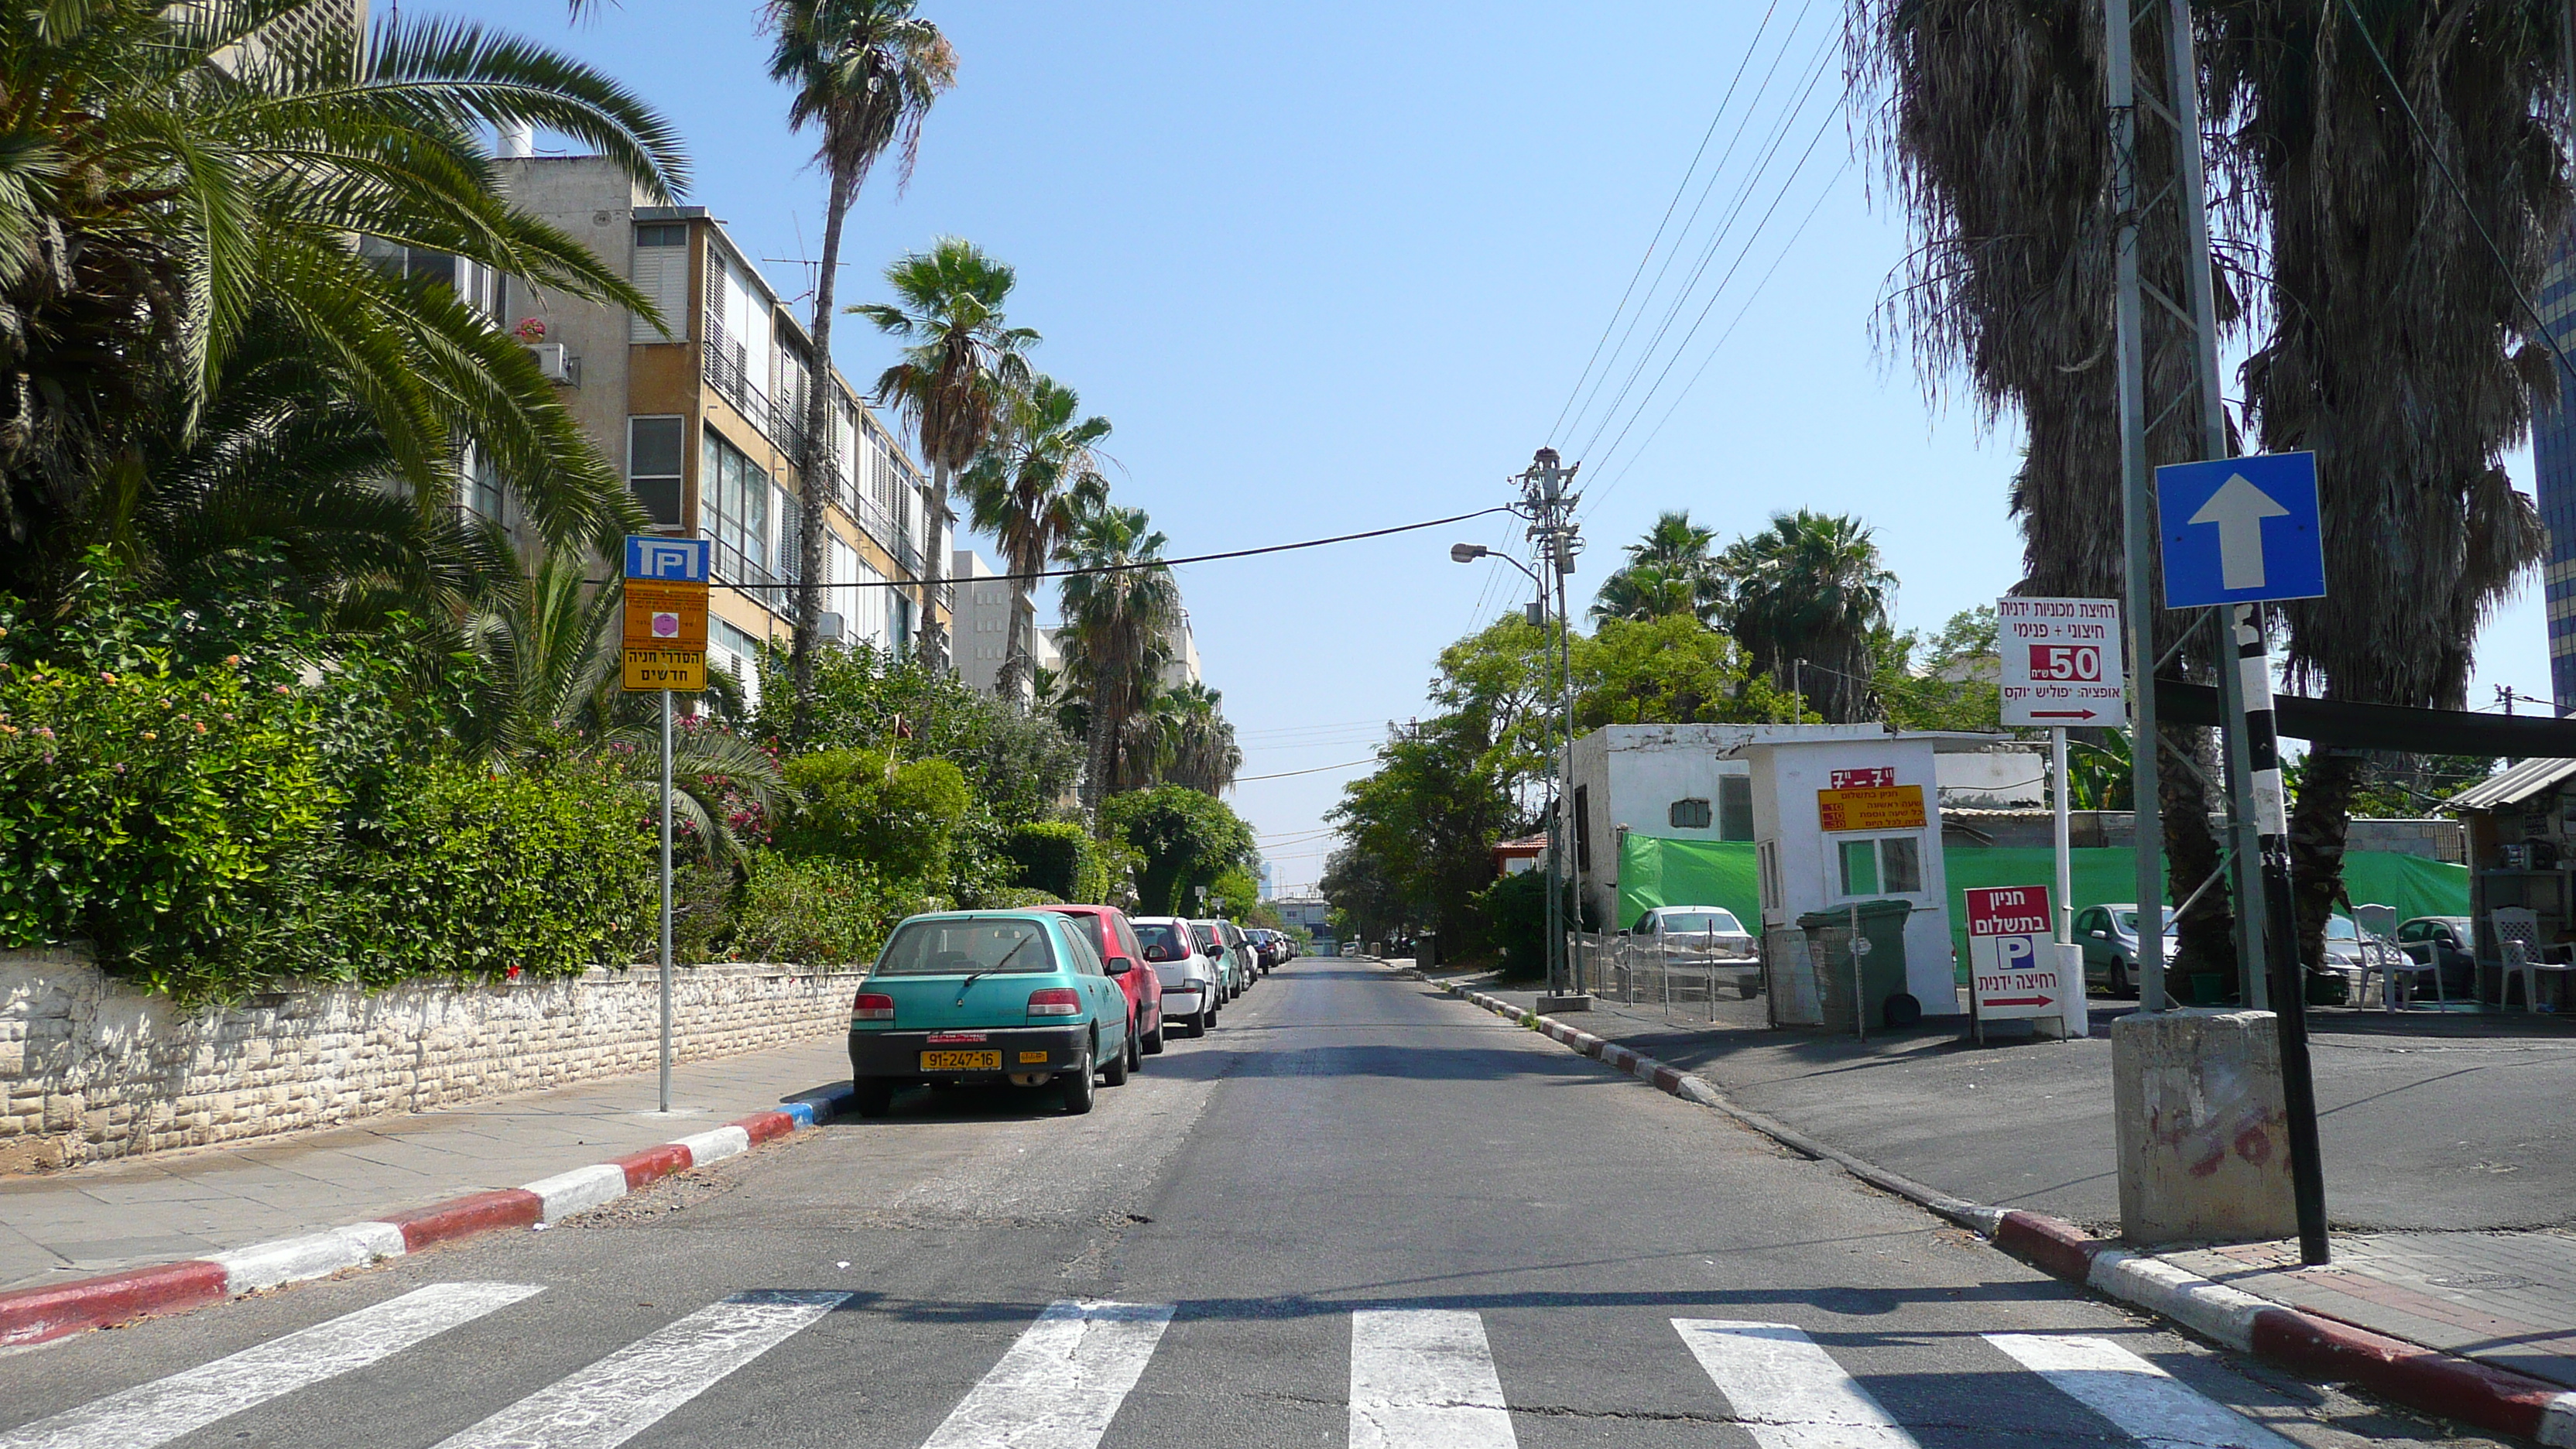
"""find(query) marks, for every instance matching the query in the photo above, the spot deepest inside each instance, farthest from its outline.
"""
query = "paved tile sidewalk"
(2029, 1126)
(167, 1206)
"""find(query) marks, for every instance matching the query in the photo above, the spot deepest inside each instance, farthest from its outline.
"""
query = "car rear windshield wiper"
(977, 975)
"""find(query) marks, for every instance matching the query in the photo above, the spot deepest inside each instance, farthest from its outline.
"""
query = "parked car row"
(1062, 998)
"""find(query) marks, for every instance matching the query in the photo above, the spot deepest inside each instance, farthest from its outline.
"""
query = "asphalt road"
(1360, 1213)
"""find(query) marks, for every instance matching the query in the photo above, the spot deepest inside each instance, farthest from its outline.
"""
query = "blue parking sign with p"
(667, 560)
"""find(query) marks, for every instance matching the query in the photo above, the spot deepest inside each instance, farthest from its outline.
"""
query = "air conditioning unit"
(829, 627)
(555, 364)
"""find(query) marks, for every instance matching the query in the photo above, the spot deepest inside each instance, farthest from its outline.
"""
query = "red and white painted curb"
(2497, 1400)
(34, 1315)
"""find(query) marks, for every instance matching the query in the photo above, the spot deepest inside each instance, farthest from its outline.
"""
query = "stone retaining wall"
(92, 1069)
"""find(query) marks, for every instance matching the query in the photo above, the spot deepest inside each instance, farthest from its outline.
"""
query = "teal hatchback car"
(988, 996)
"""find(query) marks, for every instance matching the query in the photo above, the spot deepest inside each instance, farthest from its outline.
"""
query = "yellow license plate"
(1033, 1059)
(961, 1061)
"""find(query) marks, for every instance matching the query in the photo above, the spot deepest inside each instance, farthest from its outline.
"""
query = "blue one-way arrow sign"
(2240, 530)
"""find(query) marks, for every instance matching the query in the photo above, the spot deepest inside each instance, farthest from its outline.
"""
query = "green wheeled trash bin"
(1882, 967)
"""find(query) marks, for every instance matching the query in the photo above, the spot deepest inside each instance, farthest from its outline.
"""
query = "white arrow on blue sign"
(2241, 530)
(669, 560)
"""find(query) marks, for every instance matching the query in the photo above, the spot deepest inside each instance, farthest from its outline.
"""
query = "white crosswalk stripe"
(1062, 1382)
(629, 1391)
(1423, 1378)
(165, 1409)
(1786, 1391)
(2148, 1404)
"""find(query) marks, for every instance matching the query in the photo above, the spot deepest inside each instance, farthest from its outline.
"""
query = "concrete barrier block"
(2203, 1142)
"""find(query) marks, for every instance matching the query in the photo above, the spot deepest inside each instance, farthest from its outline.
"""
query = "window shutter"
(662, 273)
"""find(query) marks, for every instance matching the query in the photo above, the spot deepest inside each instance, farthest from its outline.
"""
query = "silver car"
(1193, 988)
(2109, 936)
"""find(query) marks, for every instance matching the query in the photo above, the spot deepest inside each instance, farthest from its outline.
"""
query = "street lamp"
(1556, 981)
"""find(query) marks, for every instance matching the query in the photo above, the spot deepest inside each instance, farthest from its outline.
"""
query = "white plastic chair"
(2380, 953)
(2517, 937)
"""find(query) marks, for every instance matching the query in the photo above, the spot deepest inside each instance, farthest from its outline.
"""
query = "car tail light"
(1055, 1001)
(872, 1006)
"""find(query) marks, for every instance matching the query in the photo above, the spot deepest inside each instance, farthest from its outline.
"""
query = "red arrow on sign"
(2017, 1001)
(2061, 714)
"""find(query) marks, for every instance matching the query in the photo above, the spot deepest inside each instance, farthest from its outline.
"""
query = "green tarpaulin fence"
(1657, 872)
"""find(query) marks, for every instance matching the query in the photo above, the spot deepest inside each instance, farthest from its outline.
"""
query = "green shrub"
(475, 871)
(899, 820)
(1057, 857)
(177, 821)
(814, 910)
(1515, 918)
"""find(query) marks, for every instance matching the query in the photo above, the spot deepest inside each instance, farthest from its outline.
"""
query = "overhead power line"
(1151, 563)
(1317, 770)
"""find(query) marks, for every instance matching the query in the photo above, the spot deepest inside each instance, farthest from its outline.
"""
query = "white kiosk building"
(1838, 821)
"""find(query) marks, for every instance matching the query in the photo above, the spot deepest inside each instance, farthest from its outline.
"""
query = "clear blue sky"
(1331, 266)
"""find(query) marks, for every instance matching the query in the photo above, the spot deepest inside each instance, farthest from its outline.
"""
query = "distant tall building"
(2553, 453)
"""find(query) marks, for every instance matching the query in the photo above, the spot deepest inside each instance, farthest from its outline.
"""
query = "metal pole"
(1555, 857)
(1565, 784)
(666, 900)
(2065, 922)
(2137, 502)
(2289, 986)
(2182, 91)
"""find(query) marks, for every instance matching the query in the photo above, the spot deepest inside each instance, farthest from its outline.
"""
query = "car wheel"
(873, 1096)
(1115, 1073)
(1135, 1048)
(2120, 977)
(1154, 1038)
(1078, 1089)
(1200, 1020)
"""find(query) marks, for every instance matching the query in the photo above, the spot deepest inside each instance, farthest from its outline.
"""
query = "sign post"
(666, 650)
(2015, 971)
(2238, 533)
(2061, 665)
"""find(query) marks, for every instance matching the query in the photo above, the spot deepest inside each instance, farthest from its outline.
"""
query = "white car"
(1697, 934)
(1193, 992)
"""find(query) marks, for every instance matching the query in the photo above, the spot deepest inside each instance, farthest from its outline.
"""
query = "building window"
(1767, 856)
(1690, 814)
(733, 510)
(653, 455)
(788, 543)
(1890, 865)
(483, 487)
(662, 274)
(735, 649)
(1735, 807)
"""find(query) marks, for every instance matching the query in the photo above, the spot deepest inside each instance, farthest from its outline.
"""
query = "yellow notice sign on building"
(1873, 807)
(682, 670)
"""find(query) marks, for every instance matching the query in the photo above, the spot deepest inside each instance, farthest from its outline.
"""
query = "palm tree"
(1029, 488)
(185, 173)
(960, 366)
(865, 73)
(2395, 344)
(1669, 571)
(1117, 619)
(1200, 750)
(1810, 594)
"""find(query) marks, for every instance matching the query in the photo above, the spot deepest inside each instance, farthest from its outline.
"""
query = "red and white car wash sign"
(2015, 967)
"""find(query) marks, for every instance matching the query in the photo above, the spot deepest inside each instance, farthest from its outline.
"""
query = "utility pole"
(1547, 501)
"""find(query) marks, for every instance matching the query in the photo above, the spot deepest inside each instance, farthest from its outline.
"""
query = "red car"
(1117, 941)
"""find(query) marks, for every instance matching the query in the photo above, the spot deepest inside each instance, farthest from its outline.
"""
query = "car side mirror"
(1120, 965)
(2101, 935)
(1212, 950)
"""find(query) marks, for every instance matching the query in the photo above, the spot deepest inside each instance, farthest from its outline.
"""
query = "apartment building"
(988, 619)
(707, 420)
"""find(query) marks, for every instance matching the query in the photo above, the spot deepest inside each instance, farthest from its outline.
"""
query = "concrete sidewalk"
(2448, 1162)
(186, 1204)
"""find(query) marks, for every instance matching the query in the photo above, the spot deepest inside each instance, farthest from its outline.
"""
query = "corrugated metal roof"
(2515, 785)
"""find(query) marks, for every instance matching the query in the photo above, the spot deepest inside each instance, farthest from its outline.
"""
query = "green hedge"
(209, 830)
(1059, 858)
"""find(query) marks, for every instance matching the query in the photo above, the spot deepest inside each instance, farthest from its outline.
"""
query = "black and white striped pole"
(2281, 946)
